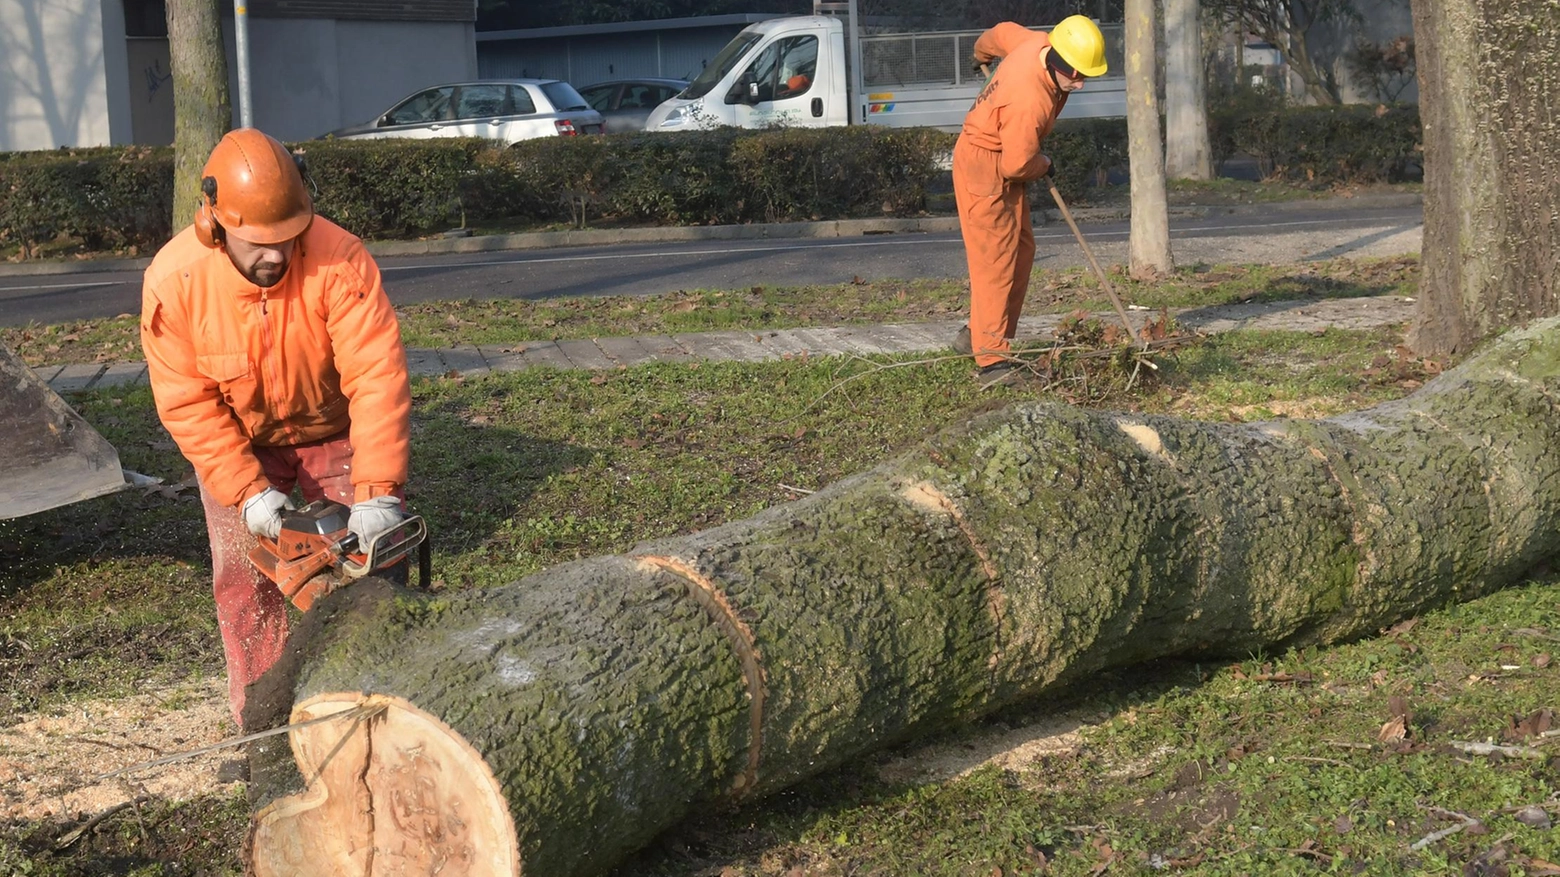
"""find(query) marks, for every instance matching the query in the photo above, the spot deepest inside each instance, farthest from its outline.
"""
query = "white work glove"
(263, 512)
(371, 517)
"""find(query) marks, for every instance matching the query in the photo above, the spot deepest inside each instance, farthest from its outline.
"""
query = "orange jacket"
(234, 365)
(1018, 107)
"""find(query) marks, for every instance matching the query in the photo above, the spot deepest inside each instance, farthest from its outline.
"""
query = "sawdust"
(48, 761)
(1010, 748)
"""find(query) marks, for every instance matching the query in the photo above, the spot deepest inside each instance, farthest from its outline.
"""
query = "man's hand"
(371, 517)
(263, 512)
(1049, 167)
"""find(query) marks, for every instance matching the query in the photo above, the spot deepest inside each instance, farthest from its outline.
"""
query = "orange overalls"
(997, 154)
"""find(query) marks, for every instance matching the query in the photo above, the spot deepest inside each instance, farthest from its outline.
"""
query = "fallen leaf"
(1542, 868)
(1542, 660)
(1403, 626)
(1343, 824)
(1533, 725)
(1394, 731)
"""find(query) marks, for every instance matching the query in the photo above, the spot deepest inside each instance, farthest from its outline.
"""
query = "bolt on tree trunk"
(552, 726)
(1188, 154)
(202, 112)
(1149, 243)
(1489, 71)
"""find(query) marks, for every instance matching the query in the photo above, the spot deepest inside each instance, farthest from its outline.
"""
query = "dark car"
(626, 103)
(505, 110)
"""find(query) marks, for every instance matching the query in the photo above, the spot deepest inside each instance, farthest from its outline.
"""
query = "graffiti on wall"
(155, 79)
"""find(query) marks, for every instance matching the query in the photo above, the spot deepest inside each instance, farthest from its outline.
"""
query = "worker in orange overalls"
(997, 154)
(275, 360)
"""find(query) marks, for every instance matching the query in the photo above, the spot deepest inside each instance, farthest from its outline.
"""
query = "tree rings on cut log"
(418, 798)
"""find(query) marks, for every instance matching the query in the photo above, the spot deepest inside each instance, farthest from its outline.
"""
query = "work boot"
(961, 341)
(1007, 371)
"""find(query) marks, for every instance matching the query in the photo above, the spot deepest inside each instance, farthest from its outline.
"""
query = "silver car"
(504, 110)
(626, 103)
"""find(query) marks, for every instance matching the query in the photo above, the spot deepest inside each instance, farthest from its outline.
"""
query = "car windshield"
(564, 97)
(718, 68)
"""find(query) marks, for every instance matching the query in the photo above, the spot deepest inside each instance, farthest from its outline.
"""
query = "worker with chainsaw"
(276, 361)
(998, 154)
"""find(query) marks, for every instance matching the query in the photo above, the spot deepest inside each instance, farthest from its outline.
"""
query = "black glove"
(1050, 168)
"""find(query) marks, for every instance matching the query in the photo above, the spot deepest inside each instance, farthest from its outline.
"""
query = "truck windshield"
(717, 69)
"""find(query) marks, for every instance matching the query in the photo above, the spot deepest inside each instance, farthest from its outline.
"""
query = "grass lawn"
(1257, 764)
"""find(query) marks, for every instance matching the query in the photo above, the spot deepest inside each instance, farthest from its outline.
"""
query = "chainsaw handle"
(409, 533)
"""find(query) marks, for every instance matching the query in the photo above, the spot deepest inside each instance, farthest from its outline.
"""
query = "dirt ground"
(50, 764)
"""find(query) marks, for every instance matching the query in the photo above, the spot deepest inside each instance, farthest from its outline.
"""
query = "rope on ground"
(354, 713)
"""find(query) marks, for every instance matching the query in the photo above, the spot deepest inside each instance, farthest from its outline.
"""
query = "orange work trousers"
(251, 611)
(999, 244)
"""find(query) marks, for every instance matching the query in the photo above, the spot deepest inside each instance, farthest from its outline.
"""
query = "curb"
(837, 228)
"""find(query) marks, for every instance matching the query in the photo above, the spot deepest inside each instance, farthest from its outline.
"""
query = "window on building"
(146, 18)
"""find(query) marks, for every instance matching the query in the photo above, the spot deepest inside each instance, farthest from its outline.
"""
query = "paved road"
(1281, 234)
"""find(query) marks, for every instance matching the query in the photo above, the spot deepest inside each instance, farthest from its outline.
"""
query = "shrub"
(1085, 151)
(108, 198)
(1347, 144)
(382, 188)
(120, 197)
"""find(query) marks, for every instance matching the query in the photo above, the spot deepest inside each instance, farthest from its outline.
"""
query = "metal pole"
(246, 109)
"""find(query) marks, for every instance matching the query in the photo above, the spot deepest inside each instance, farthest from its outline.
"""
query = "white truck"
(825, 69)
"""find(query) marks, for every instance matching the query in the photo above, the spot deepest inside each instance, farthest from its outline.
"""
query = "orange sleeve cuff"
(254, 488)
(369, 490)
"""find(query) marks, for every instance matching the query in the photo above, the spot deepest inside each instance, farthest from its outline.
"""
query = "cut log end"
(390, 790)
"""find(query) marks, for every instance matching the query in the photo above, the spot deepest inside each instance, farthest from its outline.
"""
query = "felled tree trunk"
(553, 725)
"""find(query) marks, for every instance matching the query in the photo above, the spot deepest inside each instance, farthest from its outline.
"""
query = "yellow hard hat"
(1077, 39)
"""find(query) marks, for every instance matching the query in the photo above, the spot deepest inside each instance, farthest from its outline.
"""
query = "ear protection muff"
(207, 230)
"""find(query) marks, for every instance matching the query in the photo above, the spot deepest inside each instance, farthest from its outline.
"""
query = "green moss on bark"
(1026, 548)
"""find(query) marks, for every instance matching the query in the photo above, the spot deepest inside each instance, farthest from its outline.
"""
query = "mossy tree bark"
(1149, 241)
(1188, 154)
(558, 723)
(202, 112)
(1489, 73)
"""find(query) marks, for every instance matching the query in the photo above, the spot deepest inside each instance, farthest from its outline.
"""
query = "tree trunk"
(201, 110)
(1188, 155)
(554, 725)
(1489, 73)
(1149, 244)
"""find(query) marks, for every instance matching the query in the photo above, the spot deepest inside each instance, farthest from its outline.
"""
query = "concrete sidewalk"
(776, 344)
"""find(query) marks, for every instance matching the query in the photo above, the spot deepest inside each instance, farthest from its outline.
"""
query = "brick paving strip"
(775, 344)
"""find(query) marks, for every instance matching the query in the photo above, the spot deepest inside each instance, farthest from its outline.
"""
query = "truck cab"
(828, 69)
(777, 72)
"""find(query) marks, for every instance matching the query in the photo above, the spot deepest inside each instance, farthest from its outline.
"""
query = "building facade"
(96, 72)
(676, 48)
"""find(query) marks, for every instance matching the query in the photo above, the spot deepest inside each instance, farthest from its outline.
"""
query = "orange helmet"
(251, 189)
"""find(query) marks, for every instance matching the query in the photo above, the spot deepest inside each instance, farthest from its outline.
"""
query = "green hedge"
(1342, 144)
(106, 198)
(121, 197)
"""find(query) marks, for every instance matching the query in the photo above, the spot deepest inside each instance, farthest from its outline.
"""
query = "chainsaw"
(314, 554)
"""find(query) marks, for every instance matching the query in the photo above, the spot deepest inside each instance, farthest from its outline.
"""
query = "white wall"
(53, 88)
(62, 83)
(380, 62)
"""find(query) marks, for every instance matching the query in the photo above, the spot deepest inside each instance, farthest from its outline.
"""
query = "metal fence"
(892, 61)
